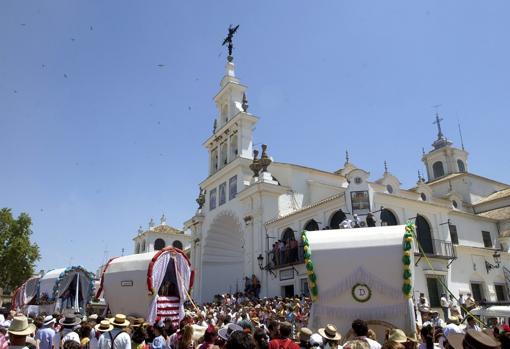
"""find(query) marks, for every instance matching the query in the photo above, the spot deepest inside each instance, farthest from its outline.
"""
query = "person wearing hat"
(472, 339)
(226, 332)
(397, 338)
(360, 329)
(44, 335)
(116, 337)
(284, 341)
(18, 330)
(304, 337)
(434, 320)
(68, 323)
(471, 324)
(330, 336)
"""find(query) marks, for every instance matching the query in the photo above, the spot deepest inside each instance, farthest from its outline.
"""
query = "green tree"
(17, 254)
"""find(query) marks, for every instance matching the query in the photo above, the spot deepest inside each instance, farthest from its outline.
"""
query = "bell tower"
(233, 125)
(444, 159)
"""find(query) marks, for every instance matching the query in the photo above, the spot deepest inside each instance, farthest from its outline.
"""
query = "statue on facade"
(162, 220)
(228, 41)
(215, 126)
(201, 199)
(151, 223)
(245, 103)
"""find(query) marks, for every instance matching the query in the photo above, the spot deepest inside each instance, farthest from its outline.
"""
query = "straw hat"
(21, 327)
(104, 326)
(304, 334)
(137, 322)
(330, 332)
(473, 339)
(397, 335)
(119, 321)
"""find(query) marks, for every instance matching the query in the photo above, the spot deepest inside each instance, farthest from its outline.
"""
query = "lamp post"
(260, 260)
(497, 260)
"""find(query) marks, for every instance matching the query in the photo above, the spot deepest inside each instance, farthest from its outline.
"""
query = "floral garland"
(314, 291)
(407, 287)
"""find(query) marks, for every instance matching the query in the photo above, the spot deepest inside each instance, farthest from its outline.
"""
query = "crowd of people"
(236, 321)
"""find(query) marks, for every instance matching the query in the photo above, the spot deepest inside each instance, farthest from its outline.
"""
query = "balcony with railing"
(284, 258)
(435, 248)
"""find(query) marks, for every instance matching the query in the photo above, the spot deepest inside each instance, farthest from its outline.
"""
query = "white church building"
(247, 205)
(157, 237)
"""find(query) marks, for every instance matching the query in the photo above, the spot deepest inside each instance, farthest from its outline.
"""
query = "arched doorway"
(223, 257)
(288, 234)
(312, 225)
(388, 218)
(424, 234)
(336, 219)
(159, 244)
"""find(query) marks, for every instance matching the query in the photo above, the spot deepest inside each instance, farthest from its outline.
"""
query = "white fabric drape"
(77, 293)
(183, 272)
(158, 274)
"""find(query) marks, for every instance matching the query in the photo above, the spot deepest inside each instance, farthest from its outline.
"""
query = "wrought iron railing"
(437, 248)
(282, 258)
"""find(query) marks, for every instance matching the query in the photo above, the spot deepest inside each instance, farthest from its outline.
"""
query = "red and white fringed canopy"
(130, 284)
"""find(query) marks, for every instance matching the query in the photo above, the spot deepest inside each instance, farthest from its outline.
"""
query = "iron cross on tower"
(228, 41)
(438, 122)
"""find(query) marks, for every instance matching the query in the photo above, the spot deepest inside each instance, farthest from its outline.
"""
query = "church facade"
(252, 211)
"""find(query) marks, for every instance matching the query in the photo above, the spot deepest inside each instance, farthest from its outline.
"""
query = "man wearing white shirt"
(471, 324)
(445, 305)
(44, 336)
(117, 338)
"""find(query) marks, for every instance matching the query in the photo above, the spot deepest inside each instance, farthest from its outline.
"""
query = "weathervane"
(228, 41)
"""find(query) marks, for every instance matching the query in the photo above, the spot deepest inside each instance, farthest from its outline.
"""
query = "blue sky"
(96, 138)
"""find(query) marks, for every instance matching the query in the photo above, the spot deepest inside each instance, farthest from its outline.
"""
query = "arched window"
(438, 169)
(388, 218)
(159, 244)
(288, 234)
(137, 247)
(311, 225)
(424, 235)
(177, 244)
(461, 166)
(336, 219)
(143, 246)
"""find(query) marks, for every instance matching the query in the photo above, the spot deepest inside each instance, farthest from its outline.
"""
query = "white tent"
(25, 293)
(66, 288)
(360, 276)
(133, 284)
